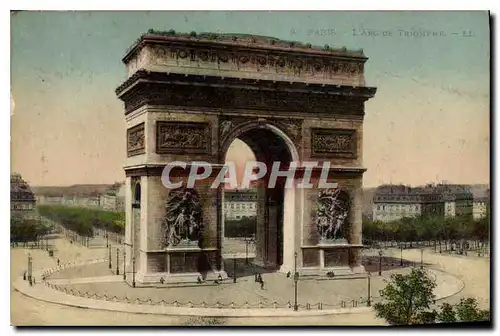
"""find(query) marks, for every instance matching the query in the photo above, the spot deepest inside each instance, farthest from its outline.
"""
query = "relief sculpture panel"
(332, 215)
(136, 140)
(175, 137)
(333, 143)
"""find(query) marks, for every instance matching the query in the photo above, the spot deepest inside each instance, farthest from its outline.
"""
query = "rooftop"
(242, 40)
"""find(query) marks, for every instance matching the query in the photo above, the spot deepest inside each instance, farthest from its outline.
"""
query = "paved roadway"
(25, 311)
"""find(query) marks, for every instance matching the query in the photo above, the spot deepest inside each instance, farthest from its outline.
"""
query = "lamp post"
(380, 253)
(117, 261)
(401, 246)
(246, 250)
(369, 302)
(247, 242)
(295, 280)
(30, 269)
(234, 269)
(124, 273)
(421, 258)
(109, 257)
(133, 272)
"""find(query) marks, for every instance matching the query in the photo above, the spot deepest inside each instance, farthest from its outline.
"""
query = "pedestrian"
(58, 261)
(259, 278)
(262, 284)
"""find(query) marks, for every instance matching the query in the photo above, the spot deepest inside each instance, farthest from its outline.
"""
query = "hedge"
(84, 220)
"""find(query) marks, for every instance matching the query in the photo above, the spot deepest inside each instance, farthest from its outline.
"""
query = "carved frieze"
(183, 137)
(333, 142)
(345, 101)
(257, 61)
(136, 140)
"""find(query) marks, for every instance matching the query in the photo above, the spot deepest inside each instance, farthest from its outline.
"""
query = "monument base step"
(331, 272)
(178, 278)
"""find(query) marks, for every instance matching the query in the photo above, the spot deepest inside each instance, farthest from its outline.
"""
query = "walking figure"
(58, 261)
(259, 278)
(262, 284)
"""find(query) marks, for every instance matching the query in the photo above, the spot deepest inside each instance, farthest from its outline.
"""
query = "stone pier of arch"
(187, 98)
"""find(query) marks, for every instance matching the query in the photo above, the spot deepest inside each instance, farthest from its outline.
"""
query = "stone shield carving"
(183, 219)
(135, 140)
(175, 137)
(332, 215)
(333, 143)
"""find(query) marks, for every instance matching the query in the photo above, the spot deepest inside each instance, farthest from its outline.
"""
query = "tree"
(24, 229)
(82, 220)
(407, 299)
(447, 314)
(467, 311)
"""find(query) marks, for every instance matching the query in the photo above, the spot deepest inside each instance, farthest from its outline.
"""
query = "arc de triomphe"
(188, 96)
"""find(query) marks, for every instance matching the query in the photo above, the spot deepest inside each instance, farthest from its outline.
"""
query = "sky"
(429, 121)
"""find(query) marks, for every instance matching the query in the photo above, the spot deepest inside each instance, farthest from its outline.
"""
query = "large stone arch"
(188, 97)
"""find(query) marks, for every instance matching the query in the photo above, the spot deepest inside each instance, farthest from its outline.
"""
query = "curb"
(61, 298)
(79, 302)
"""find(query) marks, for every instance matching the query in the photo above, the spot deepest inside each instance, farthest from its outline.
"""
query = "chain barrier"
(202, 304)
(189, 304)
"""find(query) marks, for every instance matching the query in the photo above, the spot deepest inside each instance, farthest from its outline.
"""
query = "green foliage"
(83, 220)
(467, 311)
(447, 314)
(407, 299)
(427, 228)
(26, 229)
(244, 227)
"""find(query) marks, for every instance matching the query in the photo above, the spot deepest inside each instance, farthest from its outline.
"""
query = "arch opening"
(253, 218)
